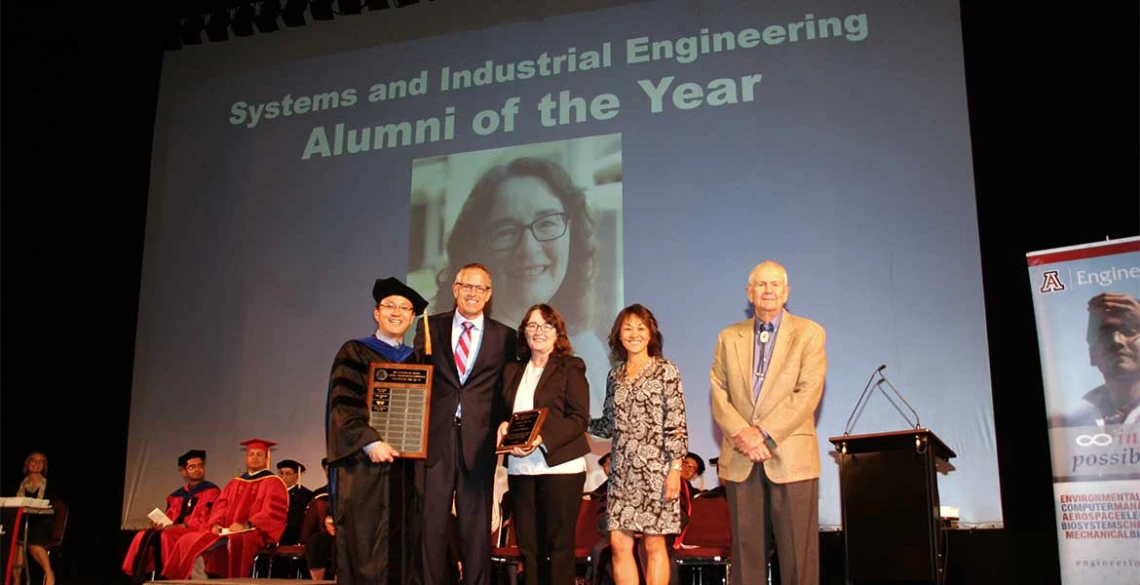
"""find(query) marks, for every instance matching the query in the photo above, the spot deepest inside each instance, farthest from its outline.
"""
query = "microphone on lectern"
(859, 403)
(883, 378)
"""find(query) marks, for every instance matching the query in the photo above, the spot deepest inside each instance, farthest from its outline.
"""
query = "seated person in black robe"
(299, 498)
(324, 489)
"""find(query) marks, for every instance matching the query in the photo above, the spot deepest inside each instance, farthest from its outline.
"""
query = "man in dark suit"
(468, 350)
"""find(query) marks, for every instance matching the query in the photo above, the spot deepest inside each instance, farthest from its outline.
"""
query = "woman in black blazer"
(546, 477)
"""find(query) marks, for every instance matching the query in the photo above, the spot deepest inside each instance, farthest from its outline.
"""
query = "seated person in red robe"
(187, 507)
(320, 550)
(249, 514)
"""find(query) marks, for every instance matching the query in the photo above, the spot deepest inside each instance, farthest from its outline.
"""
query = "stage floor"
(242, 581)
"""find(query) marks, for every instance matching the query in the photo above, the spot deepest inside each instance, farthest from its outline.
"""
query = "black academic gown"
(299, 498)
(376, 506)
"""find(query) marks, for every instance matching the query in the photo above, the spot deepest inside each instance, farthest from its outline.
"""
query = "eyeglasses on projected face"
(501, 237)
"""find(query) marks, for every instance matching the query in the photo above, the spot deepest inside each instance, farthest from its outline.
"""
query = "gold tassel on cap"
(427, 334)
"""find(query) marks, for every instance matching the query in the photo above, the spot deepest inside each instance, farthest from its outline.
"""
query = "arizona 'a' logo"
(1051, 282)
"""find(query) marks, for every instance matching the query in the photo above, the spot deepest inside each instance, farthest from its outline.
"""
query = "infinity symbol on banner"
(1099, 440)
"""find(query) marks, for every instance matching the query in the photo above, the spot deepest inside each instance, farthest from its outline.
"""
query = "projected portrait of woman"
(530, 224)
(547, 236)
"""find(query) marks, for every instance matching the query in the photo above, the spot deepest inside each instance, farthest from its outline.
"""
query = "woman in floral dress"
(644, 414)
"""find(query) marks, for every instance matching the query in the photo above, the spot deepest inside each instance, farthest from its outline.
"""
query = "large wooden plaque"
(399, 406)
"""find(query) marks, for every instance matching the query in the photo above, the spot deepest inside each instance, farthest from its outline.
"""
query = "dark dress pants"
(471, 489)
(546, 518)
(762, 511)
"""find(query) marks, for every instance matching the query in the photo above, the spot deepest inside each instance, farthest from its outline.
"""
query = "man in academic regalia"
(299, 498)
(249, 514)
(187, 507)
(375, 501)
(324, 489)
(316, 534)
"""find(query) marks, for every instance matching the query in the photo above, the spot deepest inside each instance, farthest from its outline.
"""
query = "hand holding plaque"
(522, 430)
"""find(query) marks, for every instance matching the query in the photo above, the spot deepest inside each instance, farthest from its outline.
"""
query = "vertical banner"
(1088, 324)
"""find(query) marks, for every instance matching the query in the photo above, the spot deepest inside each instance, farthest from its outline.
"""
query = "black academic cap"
(290, 464)
(185, 458)
(715, 461)
(386, 287)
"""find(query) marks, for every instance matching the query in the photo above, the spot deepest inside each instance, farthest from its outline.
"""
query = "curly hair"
(575, 295)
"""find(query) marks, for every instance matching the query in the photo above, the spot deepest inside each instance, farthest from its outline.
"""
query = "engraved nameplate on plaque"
(399, 406)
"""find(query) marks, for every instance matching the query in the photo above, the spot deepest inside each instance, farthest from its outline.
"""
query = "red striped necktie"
(463, 349)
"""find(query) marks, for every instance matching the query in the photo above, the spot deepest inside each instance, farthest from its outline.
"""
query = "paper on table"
(159, 517)
(22, 502)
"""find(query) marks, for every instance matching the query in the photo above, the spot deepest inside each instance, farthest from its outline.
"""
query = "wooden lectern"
(888, 485)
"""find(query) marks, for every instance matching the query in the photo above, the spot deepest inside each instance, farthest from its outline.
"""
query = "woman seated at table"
(39, 531)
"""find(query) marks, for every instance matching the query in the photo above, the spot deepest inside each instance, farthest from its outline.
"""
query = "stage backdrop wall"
(291, 169)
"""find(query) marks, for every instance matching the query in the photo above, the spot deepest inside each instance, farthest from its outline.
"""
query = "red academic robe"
(197, 500)
(315, 514)
(262, 500)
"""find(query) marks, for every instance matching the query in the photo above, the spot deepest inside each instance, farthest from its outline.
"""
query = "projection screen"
(292, 169)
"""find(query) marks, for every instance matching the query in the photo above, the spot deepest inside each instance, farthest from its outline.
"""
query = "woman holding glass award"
(644, 414)
(546, 473)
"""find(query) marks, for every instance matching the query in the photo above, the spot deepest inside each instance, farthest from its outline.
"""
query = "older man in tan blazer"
(766, 381)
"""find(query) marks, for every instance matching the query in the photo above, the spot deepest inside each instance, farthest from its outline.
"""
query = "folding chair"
(293, 554)
(707, 542)
(586, 536)
(505, 555)
(58, 530)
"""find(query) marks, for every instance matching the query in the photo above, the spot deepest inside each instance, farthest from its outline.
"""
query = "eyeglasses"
(534, 327)
(465, 287)
(505, 236)
(396, 308)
